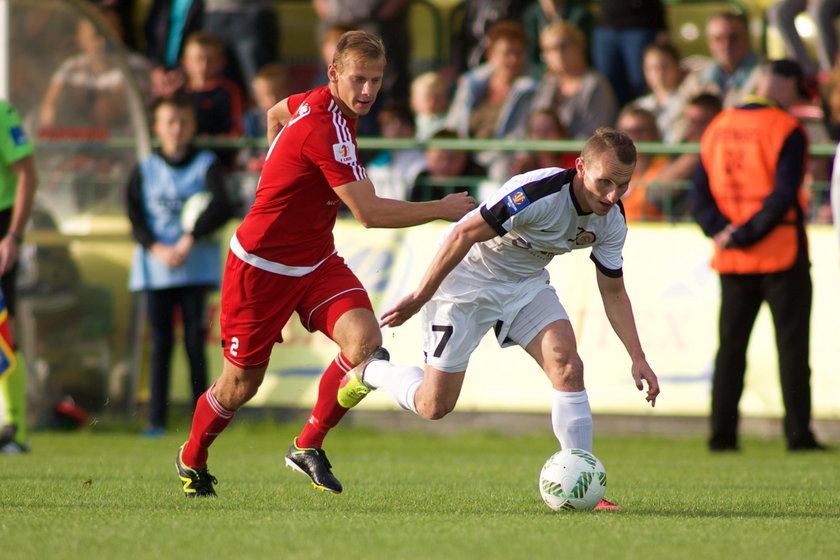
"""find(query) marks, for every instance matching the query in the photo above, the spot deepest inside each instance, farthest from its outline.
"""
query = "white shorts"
(462, 311)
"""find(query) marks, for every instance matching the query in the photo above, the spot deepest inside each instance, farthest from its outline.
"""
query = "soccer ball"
(572, 479)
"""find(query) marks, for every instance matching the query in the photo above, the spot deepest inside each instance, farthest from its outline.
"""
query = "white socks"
(401, 382)
(571, 419)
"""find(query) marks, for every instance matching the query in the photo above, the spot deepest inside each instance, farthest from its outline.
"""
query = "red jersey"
(289, 227)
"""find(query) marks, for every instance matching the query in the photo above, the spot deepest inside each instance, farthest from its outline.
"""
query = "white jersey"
(538, 217)
(502, 283)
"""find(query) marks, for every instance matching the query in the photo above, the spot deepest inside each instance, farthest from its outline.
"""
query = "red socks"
(327, 412)
(209, 420)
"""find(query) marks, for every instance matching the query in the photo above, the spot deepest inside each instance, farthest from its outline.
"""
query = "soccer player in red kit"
(283, 260)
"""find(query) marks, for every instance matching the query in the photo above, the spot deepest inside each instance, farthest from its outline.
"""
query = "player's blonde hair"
(609, 139)
(360, 45)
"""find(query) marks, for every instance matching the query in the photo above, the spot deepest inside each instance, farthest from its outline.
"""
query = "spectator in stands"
(250, 33)
(270, 85)
(493, 100)
(582, 98)
(732, 71)
(429, 102)
(217, 100)
(782, 16)
(622, 31)
(393, 171)
(89, 88)
(479, 17)
(660, 184)
(543, 124)
(540, 13)
(168, 23)
(642, 201)
(699, 113)
(663, 76)
(447, 172)
(676, 176)
(176, 262)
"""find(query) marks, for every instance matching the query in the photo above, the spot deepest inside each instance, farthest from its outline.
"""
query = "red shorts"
(257, 304)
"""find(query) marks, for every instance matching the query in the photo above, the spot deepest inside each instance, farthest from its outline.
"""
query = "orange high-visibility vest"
(740, 150)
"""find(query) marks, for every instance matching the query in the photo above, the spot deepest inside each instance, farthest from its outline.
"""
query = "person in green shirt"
(18, 181)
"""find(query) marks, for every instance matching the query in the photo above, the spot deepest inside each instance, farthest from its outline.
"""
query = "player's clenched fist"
(456, 205)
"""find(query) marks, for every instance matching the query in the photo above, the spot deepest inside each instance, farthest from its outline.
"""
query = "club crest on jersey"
(584, 237)
(302, 111)
(345, 152)
(516, 201)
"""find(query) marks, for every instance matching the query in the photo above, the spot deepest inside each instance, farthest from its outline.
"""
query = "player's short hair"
(359, 44)
(609, 139)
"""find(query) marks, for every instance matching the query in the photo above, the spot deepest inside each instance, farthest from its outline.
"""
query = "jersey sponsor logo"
(516, 201)
(345, 152)
(18, 136)
(522, 243)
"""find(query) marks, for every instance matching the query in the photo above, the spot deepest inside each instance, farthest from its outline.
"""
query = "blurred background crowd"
(499, 70)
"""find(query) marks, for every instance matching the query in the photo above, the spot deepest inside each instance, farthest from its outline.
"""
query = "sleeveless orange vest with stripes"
(740, 150)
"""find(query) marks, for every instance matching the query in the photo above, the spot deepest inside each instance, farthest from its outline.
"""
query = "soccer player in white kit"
(489, 272)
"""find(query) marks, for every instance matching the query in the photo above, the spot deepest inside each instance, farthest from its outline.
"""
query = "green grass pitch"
(100, 494)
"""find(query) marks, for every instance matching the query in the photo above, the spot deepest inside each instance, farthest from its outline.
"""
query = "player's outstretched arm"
(375, 212)
(620, 314)
(452, 251)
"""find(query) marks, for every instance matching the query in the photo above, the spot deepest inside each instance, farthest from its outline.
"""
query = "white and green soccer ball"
(572, 479)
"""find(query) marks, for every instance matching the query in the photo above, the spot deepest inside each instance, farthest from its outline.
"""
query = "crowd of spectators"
(537, 70)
